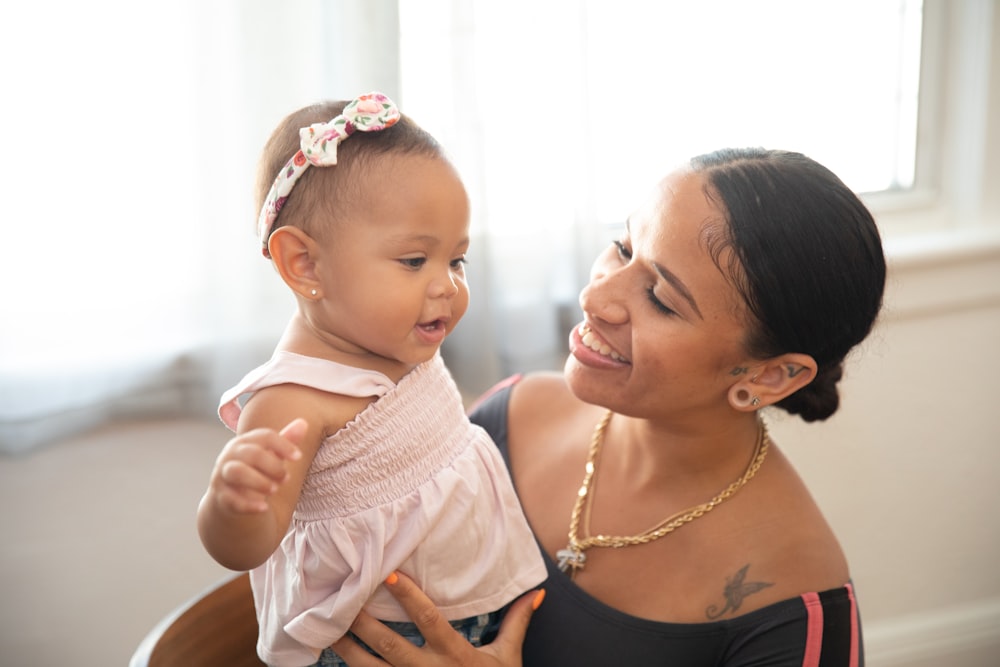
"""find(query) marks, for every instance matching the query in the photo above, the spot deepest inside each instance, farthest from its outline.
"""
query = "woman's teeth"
(591, 341)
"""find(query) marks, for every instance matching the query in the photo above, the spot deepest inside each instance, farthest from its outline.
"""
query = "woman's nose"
(602, 298)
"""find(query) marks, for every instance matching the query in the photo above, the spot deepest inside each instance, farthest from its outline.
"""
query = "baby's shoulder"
(277, 405)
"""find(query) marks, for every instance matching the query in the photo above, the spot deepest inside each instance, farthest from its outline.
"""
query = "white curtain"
(131, 279)
(563, 114)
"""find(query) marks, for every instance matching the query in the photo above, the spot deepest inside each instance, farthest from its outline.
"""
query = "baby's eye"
(413, 262)
(458, 263)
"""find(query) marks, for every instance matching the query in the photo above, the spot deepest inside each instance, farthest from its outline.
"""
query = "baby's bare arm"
(254, 486)
(257, 479)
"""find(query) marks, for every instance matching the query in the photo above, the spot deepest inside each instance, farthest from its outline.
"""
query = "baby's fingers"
(267, 450)
(261, 477)
(283, 446)
(238, 498)
(253, 465)
(293, 433)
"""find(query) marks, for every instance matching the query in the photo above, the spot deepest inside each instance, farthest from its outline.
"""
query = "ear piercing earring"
(313, 292)
(742, 397)
(754, 401)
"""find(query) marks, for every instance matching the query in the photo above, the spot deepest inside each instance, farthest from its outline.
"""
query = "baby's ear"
(294, 255)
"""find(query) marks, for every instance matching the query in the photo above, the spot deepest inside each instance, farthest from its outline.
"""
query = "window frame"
(958, 121)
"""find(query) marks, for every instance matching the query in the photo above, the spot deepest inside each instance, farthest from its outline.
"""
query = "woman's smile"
(592, 350)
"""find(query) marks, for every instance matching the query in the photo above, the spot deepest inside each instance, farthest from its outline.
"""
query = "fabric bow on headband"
(367, 113)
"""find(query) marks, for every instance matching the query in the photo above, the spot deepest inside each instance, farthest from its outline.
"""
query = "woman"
(684, 534)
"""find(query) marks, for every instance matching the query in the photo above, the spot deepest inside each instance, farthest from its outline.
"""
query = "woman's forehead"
(681, 203)
(682, 226)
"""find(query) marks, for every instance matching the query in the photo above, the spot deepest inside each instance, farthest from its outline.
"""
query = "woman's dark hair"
(806, 257)
(323, 194)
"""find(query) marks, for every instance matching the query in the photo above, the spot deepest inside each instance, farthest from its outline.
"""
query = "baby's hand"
(251, 467)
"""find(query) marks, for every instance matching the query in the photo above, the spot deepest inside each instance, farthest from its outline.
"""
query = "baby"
(354, 457)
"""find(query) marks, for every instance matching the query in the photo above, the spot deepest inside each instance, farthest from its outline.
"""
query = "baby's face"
(393, 272)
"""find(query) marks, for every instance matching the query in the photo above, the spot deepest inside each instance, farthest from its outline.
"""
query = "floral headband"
(367, 113)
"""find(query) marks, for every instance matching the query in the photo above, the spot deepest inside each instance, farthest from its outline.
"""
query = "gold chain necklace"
(573, 557)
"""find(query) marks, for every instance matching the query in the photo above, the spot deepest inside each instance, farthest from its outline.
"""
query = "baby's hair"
(324, 194)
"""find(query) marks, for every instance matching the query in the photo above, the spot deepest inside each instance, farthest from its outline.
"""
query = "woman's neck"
(692, 454)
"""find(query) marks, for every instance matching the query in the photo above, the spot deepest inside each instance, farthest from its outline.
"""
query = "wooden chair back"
(218, 627)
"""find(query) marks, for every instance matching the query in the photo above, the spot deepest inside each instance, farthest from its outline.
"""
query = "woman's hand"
(444, 646)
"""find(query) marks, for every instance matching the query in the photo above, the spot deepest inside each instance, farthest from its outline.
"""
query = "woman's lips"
(589, 340)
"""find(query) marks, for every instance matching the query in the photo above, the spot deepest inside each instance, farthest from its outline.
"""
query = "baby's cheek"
(460, 305)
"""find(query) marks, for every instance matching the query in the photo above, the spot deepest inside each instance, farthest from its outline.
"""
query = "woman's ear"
(294, 254)
(771, 381)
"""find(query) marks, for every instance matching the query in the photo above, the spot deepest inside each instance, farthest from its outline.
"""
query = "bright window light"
(641, 86)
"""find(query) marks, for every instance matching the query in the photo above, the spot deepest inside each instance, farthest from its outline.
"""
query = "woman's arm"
(444, 645)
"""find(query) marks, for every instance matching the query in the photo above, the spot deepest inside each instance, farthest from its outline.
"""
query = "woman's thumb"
(515, 625)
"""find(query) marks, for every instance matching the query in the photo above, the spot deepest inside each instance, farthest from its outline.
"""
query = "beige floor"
(97, 540)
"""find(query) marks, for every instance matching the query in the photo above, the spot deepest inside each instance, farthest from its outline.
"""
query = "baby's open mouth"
(433, 325)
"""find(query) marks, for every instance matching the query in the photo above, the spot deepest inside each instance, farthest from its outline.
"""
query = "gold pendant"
(570, 557)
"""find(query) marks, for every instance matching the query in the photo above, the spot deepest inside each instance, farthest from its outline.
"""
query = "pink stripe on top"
(855, 657)
(814, 630)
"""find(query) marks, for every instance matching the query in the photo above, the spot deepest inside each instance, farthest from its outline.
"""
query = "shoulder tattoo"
(736, 590)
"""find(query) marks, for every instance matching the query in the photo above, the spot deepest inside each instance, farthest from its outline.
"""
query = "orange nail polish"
(392, 579)
(537, 602)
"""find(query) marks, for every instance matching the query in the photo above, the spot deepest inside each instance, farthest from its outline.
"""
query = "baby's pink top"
(410, 485)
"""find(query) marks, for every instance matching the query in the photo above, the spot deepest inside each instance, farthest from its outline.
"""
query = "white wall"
(907, 469)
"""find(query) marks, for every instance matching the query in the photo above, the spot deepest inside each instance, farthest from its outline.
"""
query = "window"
(131, 260)
(609, 100)
(562, 115)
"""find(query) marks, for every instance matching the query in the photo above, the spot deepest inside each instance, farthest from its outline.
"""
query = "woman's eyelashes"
(623, 250)
(625, 253)
(659, 305)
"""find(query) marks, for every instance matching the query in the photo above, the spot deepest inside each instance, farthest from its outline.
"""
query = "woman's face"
(663, 328)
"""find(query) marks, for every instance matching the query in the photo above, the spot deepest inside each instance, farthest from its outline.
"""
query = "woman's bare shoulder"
(542, 408)
(542, 396)
(797, 548)
(532, 386)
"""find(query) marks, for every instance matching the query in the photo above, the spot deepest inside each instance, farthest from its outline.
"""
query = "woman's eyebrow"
(669, 276)
(678, 285)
